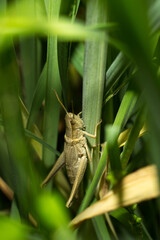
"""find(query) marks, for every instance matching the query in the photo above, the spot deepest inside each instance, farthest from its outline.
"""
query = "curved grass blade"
(38, 97)
(126, 107)
(115, 71)
(132, 138)
(39, 140)
(112, 133)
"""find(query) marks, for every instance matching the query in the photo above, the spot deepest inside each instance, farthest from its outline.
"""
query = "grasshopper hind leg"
(77, 181)
(58, 165)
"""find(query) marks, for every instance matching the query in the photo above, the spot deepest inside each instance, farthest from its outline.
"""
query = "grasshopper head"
(74, 121)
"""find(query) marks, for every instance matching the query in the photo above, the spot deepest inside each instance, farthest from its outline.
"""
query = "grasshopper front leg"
(95, 134)
(92, 136)
(58, 165)
(78, 180)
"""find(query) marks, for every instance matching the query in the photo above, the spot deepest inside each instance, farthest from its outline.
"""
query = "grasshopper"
(75, 154)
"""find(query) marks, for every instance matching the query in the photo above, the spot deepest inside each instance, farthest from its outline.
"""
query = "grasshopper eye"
(73, 121)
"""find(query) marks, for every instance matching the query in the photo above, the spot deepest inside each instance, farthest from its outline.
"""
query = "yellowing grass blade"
(136, 187)
(124, 135)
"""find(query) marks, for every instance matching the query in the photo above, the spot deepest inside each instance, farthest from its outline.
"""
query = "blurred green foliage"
(48, 45)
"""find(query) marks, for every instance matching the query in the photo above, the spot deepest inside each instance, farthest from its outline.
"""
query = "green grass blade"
(115, 71)
(30, 67)
(14, 214)
(94, 71)
(132, 222)
(20, 158)
(52, 106)
(67, 8)
(33, 136)
(77, 58)
(141, 52)
(126, 107)
(112, 133)
(94, 74)
(24, 26)
(100, 228)
(154, 16)
(133, 136)
(63, 59)
(30, 49)
(38, 97)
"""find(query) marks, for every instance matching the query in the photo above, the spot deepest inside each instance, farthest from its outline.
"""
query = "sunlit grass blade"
(124, 135)
(125, 194)
(112, 133)
(14, 26)
(126, 107)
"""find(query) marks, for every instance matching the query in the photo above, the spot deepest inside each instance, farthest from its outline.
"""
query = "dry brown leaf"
(6, 189)
(136, 187)
(10, 194)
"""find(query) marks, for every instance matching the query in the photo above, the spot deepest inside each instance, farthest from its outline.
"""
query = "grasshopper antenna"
(60, 102)
(72, 107)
